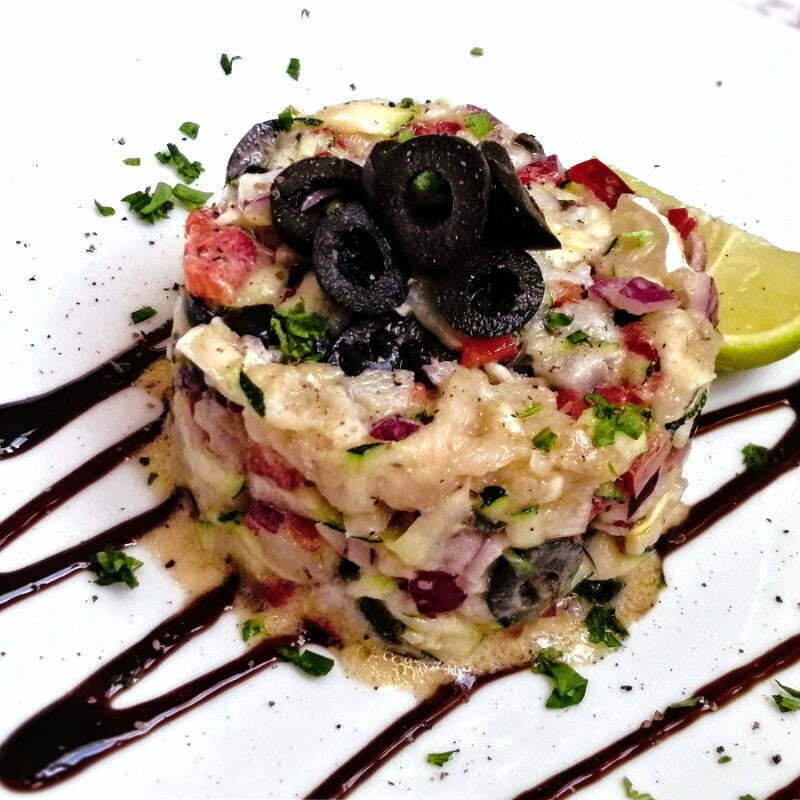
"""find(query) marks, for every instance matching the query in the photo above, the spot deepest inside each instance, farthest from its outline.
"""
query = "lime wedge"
(759, 288)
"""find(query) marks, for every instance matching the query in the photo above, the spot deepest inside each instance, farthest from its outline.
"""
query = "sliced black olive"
(252, 152)
(302, 192)
(354, 264)
(387, 343)
(530, 143)
(431, 195)
(497, 291)
(379, 150)
(523, 583)
(386, 626)
(598, 591)
(196, 310)
(251, 321)
(514, 217)
(348, 571)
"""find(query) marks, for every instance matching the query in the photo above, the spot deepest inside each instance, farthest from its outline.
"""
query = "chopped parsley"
(406, 102)
(299, 332)
(529, 411)
(545, 440)
(151, 208)
(756, 457)
(724, 759)
(604, 627)
(226, 62)
(105, 211)
(609, 419)
(569, 688)
(578, 337)
(290, 115)
(430, 182)
(173, 157)
(476, 51)
(152, 477)
(191, 129)
(293, 68)
(556, 319)
(251, 628)
(134, 161)
(632, 794)
(693, 411)
(253, 394)
(234, 515)
(788, 700)
(141, 314)
(114, 566)
(190, 198)
(480, 124)
(440, 759)
(310, 662)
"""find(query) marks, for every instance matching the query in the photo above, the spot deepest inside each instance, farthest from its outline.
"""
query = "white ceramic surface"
(697, 98)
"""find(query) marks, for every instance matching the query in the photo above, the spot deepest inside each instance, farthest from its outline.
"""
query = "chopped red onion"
(317, 198)
(634, 295)
(394, 429)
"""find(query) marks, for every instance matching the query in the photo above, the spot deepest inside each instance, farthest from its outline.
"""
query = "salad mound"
(434, 391)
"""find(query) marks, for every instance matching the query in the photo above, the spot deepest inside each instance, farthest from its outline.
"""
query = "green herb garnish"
(789, 700)
(173, 157)
(480, 124)
(151, 208)
(134, 161)
(569, 688)
(476, 51)
(756, 457)
(293, 68)
(604, 627)
(105, 211)
(141, 314)
(689, 702)
(556, 319)
(114, 566)
(429, 181)
(191, 129)
(724, 759)
(695, 409)
(628, 418)
(404, 135)
(252, 628)
(545, 440)
(529, 411)
(299, 332)
(226, 62)
(190, 198)
(440, 759)
(253, 394)
(632, 794)
(310, 662)
(578, 337)
(406, 102)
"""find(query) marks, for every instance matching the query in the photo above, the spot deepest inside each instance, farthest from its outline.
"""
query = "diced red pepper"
(278, 592)
(564, 292)
(545, 170)
(268, 464)
(264, 517)
(638, 340)
(619, 395)
(442, 128)
(477, 352)
(600, 180)
(682, 221)
(303, 531)
(571, 402)
(217, 260)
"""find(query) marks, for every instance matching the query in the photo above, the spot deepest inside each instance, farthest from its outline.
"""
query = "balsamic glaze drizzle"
(26, 423)
(790, 792)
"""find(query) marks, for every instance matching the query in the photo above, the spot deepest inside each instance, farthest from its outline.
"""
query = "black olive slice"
(431, 195)
(530, 143)
(523, 583)
(496, 292)
(301, 193)
(386, 343)
(379, 150)
(514, 217)
(354, 264)
(251, 321)
(252, 152)
(196, 310)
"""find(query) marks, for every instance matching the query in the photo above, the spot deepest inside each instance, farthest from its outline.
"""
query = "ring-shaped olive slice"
(302, 192)
(497, 291)
(514, 217)
(354, 264)
(431, 195)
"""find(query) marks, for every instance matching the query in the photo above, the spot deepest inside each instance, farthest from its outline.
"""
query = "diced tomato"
(638, 340)
(268, 464)
(477, 352)
(682, 221)
(435, 592)
(304, 531)
(564, 292)
(545, 170)
(278, 592)
(571, 402)
(619, 395)
(217, 260)
(646, 466)
(264, 517)
(443, 128)
(600, 180)
(394, 429)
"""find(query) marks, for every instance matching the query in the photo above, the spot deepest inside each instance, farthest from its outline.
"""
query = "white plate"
(697, 98)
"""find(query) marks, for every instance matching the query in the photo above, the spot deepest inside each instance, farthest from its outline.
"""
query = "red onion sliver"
(634, 295)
